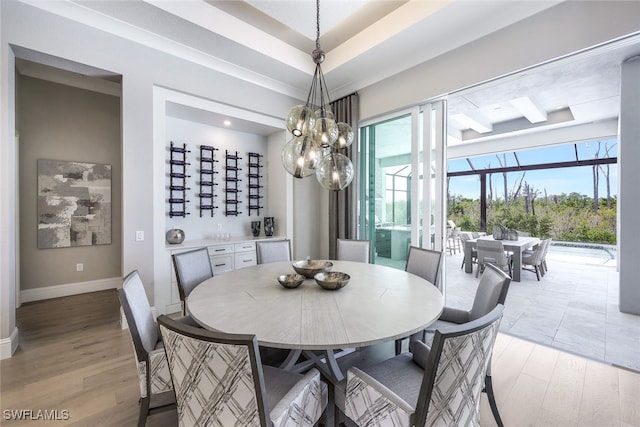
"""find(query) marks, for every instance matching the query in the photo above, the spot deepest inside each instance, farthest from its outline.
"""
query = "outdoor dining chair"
(440, 386)
(534, 259)
(492, 251)
(219, 381)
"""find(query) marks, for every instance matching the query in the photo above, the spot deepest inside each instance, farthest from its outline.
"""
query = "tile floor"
(574, 307)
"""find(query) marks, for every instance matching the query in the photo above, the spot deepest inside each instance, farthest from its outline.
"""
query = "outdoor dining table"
(379, 304)
(514, 246)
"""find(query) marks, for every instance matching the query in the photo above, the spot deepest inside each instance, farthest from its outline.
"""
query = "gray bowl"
(290, 281)
(309, 268)
(332, 280)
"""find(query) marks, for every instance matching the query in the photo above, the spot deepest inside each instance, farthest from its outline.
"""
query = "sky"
(554, 181)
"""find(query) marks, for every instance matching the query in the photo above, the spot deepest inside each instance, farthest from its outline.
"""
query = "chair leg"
(144, 411)
(537, 272)
(398, 347)
(488, 388)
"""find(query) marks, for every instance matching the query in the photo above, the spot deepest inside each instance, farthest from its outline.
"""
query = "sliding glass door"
(395, 190)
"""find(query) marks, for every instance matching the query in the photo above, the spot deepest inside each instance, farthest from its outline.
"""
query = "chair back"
(273, 251)
(492, 290)
(538, 253)
(455, 372)
(492, 251)
(424, 263)
(192, 268)
(354, 250)
(137, 311)
(217, 377)
(464, 236)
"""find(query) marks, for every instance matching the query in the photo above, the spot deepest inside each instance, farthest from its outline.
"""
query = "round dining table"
(378, 304)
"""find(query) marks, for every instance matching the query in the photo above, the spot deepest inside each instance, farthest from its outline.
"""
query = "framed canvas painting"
(74, 204)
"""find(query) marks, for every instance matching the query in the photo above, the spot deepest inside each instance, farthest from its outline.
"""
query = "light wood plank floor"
(73, 356)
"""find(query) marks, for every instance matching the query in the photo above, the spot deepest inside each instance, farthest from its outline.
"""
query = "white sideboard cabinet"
(225, 255)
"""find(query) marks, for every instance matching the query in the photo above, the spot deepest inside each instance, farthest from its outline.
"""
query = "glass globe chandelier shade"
(345, 136)
(326, 132)
(300, 120)
(335, 171)
(300, 156)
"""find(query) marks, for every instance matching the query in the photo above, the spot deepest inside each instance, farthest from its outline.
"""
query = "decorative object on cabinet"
(255, 228)
(232, 172)
(254, 184)
(74, 204)
(175, 236)
(207, 172)
(317, 138)
(269, 224)
(178, 177)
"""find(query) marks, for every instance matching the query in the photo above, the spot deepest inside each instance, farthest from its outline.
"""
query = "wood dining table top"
(378, 304)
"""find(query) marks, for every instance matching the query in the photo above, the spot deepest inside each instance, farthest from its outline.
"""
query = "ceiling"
(269, 41)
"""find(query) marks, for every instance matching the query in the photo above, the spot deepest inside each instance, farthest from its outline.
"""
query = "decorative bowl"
(291, 281)
(310, 268)
(175, 236)
(332, 280)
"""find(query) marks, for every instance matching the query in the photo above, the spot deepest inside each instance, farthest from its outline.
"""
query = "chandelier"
(317, 138)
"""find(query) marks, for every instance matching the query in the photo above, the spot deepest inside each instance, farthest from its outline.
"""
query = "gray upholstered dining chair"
(354, 250)
(492, 291)
(426, 264)
(435, 386)
(492, 251)
(273, 251)
(153, 372)
(219, 380)
(192, 268)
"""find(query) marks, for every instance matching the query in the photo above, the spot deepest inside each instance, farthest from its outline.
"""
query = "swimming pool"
(583, 253)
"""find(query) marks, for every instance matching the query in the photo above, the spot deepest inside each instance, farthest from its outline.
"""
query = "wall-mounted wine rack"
(232, 184)
(207, 173)
(178, 180)
(255, 183)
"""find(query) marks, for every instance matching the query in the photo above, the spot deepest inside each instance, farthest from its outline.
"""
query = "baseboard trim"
(67, 289)
(9, 345)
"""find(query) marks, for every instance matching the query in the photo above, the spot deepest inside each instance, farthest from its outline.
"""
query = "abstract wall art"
(74, 204)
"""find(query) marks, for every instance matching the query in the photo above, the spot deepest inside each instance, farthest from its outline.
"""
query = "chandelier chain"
(317, 24)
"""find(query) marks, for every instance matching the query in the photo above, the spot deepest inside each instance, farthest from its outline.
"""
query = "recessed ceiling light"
(227, 122)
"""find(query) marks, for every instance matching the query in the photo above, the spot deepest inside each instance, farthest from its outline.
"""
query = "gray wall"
(59, 122)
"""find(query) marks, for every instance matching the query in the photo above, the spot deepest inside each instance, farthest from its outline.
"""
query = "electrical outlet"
(139, 236)
(80, 267)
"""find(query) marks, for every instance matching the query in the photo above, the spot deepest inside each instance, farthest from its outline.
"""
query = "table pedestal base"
(325, 361)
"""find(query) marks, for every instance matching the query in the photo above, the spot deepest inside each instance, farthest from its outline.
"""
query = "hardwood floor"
(73, 356)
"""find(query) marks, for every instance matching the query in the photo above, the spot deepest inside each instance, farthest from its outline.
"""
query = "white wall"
(629, 190)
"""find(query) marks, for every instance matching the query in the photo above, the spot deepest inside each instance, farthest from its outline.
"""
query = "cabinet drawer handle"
(221, 265)
(246, 260)
(219, 250)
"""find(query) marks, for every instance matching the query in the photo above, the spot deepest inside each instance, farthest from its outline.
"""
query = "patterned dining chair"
(353, 250)
(492, 291)
(219, 381)
(273, 251)
(439, 386)
(153, 371)
(192, 268)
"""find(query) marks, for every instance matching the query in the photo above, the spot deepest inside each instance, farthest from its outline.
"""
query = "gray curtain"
(342, 204)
